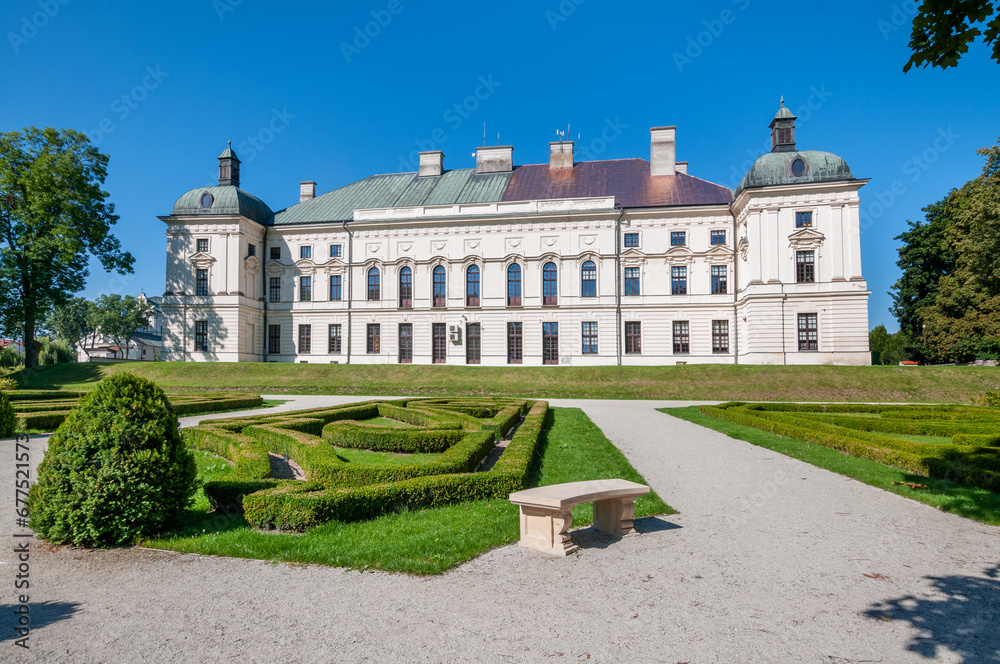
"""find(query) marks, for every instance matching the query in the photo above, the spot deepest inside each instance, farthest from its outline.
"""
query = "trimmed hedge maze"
(956, 443)
(45, 410)
(457, 434)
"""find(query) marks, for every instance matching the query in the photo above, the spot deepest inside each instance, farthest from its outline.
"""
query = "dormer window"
(207, 200)
(798, 168)
(202, 245)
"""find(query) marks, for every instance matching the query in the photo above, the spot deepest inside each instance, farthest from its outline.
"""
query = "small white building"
(628, 261)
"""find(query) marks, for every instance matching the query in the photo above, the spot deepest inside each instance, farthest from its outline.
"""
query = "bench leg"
(614, 516)
(545, 530)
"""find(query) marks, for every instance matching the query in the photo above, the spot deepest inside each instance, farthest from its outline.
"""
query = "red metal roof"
(628, 180)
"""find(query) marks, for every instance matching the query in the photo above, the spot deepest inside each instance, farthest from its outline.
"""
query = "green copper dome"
(223, 200)
(795, 167)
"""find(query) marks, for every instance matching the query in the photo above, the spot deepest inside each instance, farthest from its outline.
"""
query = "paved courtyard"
(769, 560)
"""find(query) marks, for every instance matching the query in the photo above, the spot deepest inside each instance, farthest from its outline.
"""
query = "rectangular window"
(590, 338)
(336, 250)
(631, 281)
(305, 289)
(720, 336)
(201, 335)
(335, 283)
(274, 339)
(203, 244)
(405, 343)
(306, 251)
(274, 290)
(805, 267)
(275, 253)
(334, 344)
(374, 337)
(679, 280)
(472, 286)
(718, 237)
(439, 343)
(631, 239)
(588, 279)
(808, 332)
(201, 282)
(803, 219)
(682, 337)
(514, 343)
(251, 250)
(473, 343)
(550, 343)
(305, 339)
(678, 238)
(719, 280)
(633, 338)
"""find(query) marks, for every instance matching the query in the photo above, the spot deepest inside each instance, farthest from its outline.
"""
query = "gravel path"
(766, 562)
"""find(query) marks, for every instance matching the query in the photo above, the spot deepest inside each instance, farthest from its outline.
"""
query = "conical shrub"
(116, 470)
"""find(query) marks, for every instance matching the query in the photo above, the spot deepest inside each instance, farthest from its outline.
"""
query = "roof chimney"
(561, 154)
(431, 163)
(662, 151)
(495, 159)
(682, 167)
(307, 191)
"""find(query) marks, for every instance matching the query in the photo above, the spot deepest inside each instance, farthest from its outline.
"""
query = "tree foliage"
(116, 470)
(892, 348)
(73, 321)
(53, 215)
(943, 29)
(119, 316)
(949, 294)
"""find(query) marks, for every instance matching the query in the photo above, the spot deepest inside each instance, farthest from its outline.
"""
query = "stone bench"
(546, 511)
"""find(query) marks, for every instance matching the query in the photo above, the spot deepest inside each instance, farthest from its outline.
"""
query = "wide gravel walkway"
(769, 560)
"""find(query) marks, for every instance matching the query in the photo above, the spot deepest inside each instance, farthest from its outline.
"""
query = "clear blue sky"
(162, 87)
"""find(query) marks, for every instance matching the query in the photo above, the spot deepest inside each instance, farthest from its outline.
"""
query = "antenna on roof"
(498, 138)
(484, 133)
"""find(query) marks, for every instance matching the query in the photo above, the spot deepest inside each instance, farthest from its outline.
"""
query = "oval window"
(798, 168)
(207, 200)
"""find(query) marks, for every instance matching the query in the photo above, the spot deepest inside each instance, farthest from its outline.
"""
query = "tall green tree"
(73, 321)
(943, 29)
(53, 216)
(120, 316)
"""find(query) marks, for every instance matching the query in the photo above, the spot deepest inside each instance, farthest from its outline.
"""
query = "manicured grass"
(427, 541)
(353, 455)
(978, 504)
(387, 422)
(695, 382)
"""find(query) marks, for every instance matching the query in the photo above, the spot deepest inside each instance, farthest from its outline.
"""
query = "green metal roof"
(225, 200)
(775, 168)
(398, 190)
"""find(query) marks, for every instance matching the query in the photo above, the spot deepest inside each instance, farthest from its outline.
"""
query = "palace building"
(628, 261)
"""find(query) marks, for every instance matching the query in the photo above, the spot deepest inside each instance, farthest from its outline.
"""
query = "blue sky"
(305, 94)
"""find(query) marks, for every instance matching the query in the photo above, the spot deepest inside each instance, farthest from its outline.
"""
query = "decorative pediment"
(588, 256)
(680, 256)
(806, 238)
(202, 260)
(633, 253)
(252, 264)
(305, 266)
(274, 267)
(720, 252)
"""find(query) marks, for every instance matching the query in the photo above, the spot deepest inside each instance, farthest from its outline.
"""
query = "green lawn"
(698, 381)
(978, 504)
(353, 455)
(426, 541)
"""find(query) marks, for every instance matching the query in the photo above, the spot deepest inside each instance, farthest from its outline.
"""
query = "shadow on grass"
(39, 614)
(961, 617)
(54, 377)
(195, 523)
(535, 472)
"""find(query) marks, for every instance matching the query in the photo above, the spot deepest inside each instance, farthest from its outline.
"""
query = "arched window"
(550, 284)
(440, 287)
(472, 286)
(514, 285)
(374, 285)
(406, 288)
(588, 280)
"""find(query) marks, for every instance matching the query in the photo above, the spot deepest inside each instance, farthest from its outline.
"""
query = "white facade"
(760, 308)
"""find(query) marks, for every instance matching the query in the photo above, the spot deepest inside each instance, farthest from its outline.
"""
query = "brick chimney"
(662, 151)
(561, 154)
(495, 159)
(431, 163)
(307, 191)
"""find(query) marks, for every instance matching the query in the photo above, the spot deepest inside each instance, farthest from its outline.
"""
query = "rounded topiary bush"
(116, 470)
(8, 418)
